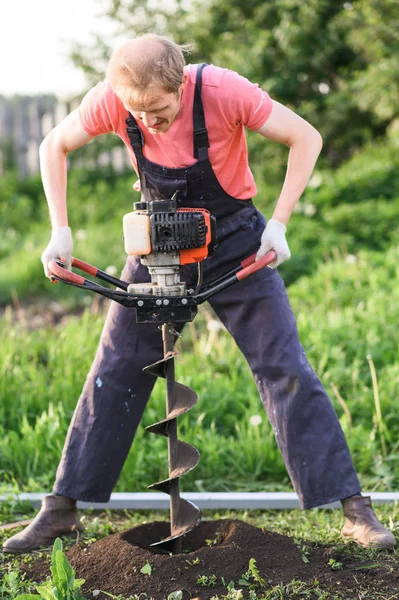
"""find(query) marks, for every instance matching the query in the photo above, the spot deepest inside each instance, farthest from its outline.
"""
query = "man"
(184, 127)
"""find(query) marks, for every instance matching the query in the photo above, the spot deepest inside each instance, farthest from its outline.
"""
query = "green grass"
(21, 271)
(346, 315)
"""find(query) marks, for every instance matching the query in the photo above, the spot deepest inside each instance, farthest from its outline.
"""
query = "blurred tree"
(374, 35)
(335, 63)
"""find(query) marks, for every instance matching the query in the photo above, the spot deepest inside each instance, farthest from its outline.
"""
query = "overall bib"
(255, 311)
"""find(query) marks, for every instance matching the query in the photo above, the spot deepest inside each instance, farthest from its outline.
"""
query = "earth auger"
(165, 238)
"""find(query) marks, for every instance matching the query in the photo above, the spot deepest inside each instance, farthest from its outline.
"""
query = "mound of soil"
(216, 553)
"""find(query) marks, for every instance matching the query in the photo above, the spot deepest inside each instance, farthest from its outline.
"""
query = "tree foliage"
(335, 63)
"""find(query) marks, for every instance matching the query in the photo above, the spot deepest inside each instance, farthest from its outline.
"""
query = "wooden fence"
(26, 120)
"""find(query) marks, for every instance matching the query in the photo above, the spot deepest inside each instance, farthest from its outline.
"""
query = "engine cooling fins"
(182, 457)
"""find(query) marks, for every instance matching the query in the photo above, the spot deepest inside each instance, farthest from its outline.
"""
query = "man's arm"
(64, 138)
(305, 143)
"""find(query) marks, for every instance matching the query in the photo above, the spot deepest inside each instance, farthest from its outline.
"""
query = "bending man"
(184, 127)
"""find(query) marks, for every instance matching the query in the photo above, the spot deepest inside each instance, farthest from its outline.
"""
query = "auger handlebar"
(152, 308)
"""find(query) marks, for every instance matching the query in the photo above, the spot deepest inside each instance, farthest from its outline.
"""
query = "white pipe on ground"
(204, 500)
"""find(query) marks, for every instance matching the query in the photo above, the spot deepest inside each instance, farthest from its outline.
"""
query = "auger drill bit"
(182, 457)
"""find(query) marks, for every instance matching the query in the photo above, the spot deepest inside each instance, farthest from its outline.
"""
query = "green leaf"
(47, 592)
(177, 595)
(147, 569)
(62, 572)
(56, 547)
(27, 597)
(70, 573)
(78, 583)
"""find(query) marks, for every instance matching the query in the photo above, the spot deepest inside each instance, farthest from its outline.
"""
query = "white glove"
(273, 238)
(60, 246)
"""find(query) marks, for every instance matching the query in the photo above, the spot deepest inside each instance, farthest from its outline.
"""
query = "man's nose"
(148, 119)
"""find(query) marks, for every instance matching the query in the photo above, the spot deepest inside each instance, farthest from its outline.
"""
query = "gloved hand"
(273, 238)
(60, 246)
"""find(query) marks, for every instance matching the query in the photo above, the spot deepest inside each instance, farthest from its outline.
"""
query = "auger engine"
(166, 238)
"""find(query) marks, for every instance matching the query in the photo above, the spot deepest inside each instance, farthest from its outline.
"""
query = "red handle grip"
(56, 269)
(248, 261)
(84, 266)
(251, 266)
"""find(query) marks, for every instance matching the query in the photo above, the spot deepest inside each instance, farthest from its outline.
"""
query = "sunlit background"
(36, 40)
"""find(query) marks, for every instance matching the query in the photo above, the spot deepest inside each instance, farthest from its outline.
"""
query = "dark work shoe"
(363, 527)
(57, 516)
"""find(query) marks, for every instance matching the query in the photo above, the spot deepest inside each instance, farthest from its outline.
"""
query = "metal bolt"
(158, 302)
(184, 300)
(166, 301)
(140, 303)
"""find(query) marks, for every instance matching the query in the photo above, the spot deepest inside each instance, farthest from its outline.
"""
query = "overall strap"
(201, 141)
(135, 135)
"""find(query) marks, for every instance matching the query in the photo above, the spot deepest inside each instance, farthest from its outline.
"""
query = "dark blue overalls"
(258, 315)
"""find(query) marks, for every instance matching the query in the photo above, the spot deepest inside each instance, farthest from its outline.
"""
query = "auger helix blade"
(182, 457)
(186, 460)
(159, 368)
(190, 516)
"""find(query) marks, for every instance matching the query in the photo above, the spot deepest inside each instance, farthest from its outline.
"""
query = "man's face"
(160, 110)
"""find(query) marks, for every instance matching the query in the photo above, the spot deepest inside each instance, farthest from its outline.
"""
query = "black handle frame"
(155, 308)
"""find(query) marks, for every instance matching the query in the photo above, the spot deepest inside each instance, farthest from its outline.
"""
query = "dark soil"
(223, 549)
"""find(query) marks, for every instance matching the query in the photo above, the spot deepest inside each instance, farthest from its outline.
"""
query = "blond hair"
(148, 61)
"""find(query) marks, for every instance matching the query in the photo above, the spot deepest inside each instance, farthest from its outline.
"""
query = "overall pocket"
(254, 226)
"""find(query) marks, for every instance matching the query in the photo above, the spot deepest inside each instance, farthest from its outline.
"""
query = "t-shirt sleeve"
(99, 110)
(243, 101)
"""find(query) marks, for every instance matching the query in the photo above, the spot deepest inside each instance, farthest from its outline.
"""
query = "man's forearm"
(53, 167)
(301, 161)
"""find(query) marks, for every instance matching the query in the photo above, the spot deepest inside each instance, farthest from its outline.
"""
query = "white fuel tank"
(136, 234)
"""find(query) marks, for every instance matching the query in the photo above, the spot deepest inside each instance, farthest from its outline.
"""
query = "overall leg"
(110, 408)
(112, 403)
(258, 315)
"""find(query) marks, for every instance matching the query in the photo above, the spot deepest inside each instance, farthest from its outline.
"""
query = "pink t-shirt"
(230, 102)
